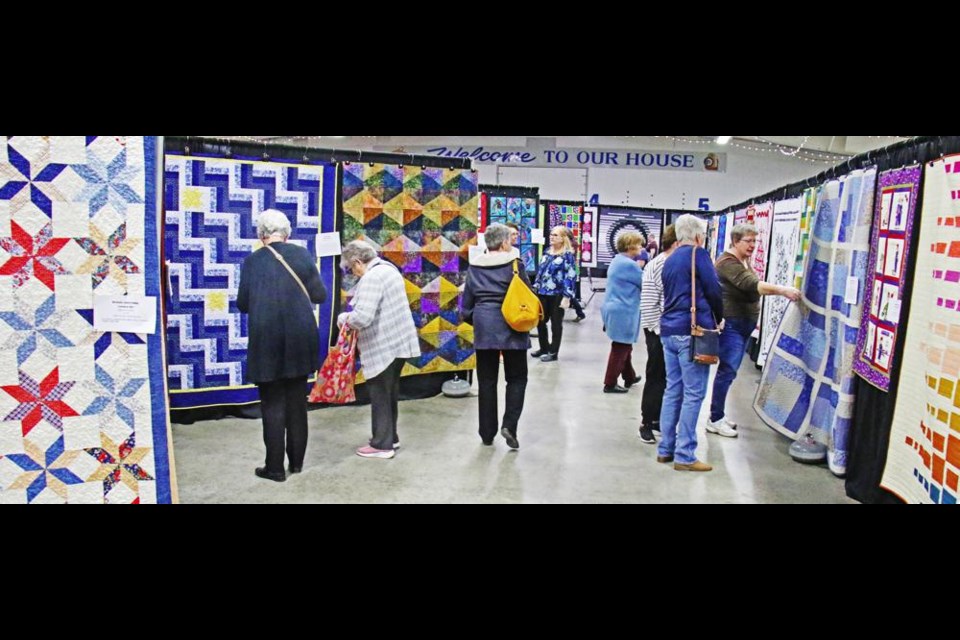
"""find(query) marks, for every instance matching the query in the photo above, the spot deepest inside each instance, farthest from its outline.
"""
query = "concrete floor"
(577, 445)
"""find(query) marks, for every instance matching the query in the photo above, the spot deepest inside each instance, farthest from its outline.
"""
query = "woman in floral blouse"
(554, 285)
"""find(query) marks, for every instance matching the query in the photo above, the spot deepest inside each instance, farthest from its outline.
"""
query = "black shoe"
(549, 357)
(580, 318)
(536, 354)
(276, 476)
(294, 469)
(487, 443)
(646, 436)
(630, 383)
(614, 389)
(510, 438)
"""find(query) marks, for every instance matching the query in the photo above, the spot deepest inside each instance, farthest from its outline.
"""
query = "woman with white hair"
(686, 379)
(279, 284)
(488, 279)
(386, 336)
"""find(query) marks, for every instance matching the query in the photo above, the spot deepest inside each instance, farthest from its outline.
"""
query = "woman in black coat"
(283, 344)
(488, 278)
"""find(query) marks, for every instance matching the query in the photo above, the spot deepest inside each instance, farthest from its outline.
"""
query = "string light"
(765, 146)
(284, 140)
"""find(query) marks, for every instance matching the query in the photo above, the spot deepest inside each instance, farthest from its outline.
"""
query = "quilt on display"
(889, 251)
(727, 232)
(808, 385)
(588, 252)
(760, 217)
(522, 212)
(423, 220)
(615, 220)
(84, 412)
(722, 236)
(923, 456)
(570, 216)
(710, 241)
(482, 204)
(211, 206)
(784, 236)
(809, 198)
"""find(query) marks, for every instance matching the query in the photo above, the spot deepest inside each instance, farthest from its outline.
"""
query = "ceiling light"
(723, 139)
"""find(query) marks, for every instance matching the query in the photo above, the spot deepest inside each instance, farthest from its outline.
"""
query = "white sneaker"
(721, 427)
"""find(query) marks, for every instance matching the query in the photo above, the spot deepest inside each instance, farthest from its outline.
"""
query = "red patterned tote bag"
(335, 379)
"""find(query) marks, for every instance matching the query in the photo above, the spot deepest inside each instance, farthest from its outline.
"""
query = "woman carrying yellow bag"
(488, 279)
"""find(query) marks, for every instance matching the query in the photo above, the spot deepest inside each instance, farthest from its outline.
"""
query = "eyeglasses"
(750, 241)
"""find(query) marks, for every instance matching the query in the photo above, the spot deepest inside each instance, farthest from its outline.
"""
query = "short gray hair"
(358, 251)
(270, 222)
(496, 234)
(688, 227)
(740, 230)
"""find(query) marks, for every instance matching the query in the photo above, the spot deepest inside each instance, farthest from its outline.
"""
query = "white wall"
(746, 176)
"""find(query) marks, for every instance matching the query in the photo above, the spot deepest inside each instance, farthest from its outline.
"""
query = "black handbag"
(704, 343)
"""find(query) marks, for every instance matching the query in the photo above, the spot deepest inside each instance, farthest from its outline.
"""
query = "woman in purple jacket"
(488, 278)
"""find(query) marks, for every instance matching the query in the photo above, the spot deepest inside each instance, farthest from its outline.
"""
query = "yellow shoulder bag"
(521, 306)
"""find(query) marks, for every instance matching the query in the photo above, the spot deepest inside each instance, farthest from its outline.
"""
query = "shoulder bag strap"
(693, 288)
(291, 271)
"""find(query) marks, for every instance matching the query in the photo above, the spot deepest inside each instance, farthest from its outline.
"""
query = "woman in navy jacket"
(283, 344)
(686, 379)
(488, 279)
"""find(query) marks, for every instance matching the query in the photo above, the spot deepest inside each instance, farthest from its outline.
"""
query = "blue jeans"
(733, 342)
(686, 389)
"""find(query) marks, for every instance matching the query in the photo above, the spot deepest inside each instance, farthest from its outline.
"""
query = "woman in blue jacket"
(621, 312)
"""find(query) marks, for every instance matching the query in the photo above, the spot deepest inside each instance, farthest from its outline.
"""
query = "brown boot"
(696, 465)
(664, 458)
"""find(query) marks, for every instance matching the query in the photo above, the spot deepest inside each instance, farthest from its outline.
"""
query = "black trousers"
(384, 391)
(488, 373)
(283, 406)
(575, 305)
(553, 312)
(575, 302)
(656, 384)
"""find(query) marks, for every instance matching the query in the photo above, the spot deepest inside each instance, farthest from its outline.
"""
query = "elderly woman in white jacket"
(386, 336)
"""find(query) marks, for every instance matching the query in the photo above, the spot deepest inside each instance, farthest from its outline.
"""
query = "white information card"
(328, 244)
(130, 314)
(853, 288)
